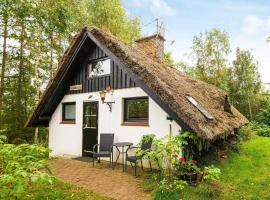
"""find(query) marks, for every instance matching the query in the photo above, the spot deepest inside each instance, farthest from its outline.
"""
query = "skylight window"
(199, 107)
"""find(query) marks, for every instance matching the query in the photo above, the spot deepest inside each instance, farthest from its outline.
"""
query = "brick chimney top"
(153, 46)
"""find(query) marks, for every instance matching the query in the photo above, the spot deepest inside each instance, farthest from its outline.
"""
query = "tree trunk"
(20, 76)
(51, 57)
(249, 107)
(36, 135)
(3, 69)
(37, 84)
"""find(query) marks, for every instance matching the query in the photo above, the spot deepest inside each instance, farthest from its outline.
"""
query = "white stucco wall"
(66, 139)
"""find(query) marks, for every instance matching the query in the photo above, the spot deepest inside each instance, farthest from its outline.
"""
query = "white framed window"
(69, 111)
(99, 68)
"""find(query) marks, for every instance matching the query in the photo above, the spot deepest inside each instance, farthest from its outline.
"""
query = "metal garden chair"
(105, 149)
(133, 159)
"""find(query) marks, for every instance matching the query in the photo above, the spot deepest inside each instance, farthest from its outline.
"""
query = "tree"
(111, 15)
(34, 35)
(210, 51)
(245, 83)
(6, 8)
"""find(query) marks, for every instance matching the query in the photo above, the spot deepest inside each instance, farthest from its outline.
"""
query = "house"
(104, 85)
(267, 88)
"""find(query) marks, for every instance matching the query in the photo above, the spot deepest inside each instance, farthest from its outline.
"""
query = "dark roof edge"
(43, 98)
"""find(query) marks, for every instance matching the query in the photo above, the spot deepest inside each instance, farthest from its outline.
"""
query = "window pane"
(99, 68)
(93, 121)
(199, 107)
(136, 109)
(69, 111)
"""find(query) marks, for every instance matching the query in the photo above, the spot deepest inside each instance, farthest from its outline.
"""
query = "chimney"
(153, 46)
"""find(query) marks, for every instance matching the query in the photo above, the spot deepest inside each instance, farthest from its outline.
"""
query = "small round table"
(123, 145)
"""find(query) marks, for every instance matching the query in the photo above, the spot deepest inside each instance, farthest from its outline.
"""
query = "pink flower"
(182, 159)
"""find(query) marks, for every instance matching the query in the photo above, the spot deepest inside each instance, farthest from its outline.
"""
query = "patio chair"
(133, 159)
(105, 149)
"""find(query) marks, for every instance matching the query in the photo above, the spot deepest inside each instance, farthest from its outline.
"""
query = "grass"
(245, 175)
(61, 191)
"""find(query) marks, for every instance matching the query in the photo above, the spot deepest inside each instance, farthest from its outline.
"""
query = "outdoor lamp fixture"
(103, 96)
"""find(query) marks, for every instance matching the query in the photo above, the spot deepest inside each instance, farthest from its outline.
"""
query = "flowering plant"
(185, 166)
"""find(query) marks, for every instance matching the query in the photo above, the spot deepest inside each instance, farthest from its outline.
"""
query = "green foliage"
(37, 34)
(58, 191)
(245, 175)
(213, 173)
(209, 52)
(263, 114)
(3, 139)
(242, 81)
(247, 132)
(262, 130)
(165, 151)
(21, 166)
(112, 16)
(245, 83)
(183, 166)
(166, 188)
(257, 128)
(209, 190)
(147, 138)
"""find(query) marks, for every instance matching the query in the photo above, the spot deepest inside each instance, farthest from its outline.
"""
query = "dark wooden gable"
(117, 78)
(73, 72)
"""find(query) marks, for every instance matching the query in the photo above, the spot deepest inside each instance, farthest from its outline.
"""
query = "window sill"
(67, 122)
(135, 124)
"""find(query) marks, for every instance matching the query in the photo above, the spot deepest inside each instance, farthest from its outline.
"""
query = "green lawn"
(61, 191)
(245, 175)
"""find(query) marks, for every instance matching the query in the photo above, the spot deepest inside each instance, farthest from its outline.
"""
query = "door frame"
(97, 106)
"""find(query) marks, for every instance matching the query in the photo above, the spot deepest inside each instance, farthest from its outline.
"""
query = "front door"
(90, 127)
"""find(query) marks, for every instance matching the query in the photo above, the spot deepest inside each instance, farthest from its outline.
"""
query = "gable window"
(99, 68)
(136, 109)
(69, 112)
(199, 107)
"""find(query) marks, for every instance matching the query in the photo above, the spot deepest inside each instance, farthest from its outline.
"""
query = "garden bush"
(20, 167)
(211, 187)
(168, 186)
(212, 174)
(256, 128)
(263, 115)
(246, 133)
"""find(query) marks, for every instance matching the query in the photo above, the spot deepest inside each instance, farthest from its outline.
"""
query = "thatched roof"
(170, 85)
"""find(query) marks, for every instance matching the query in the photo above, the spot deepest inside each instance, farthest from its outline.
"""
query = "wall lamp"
(103, 96)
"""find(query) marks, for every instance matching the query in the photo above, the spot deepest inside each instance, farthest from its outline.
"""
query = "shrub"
(212, 174)
(263, 115)
(186, 166)
(263, 130)
(257, 128)
(20, 167)
(246, 132)
(211, 188)
(168, 189)
(167, 186)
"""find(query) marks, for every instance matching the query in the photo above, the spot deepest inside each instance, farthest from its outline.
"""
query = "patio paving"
(101, 179)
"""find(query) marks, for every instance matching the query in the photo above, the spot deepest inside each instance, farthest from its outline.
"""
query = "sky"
(246, 21)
